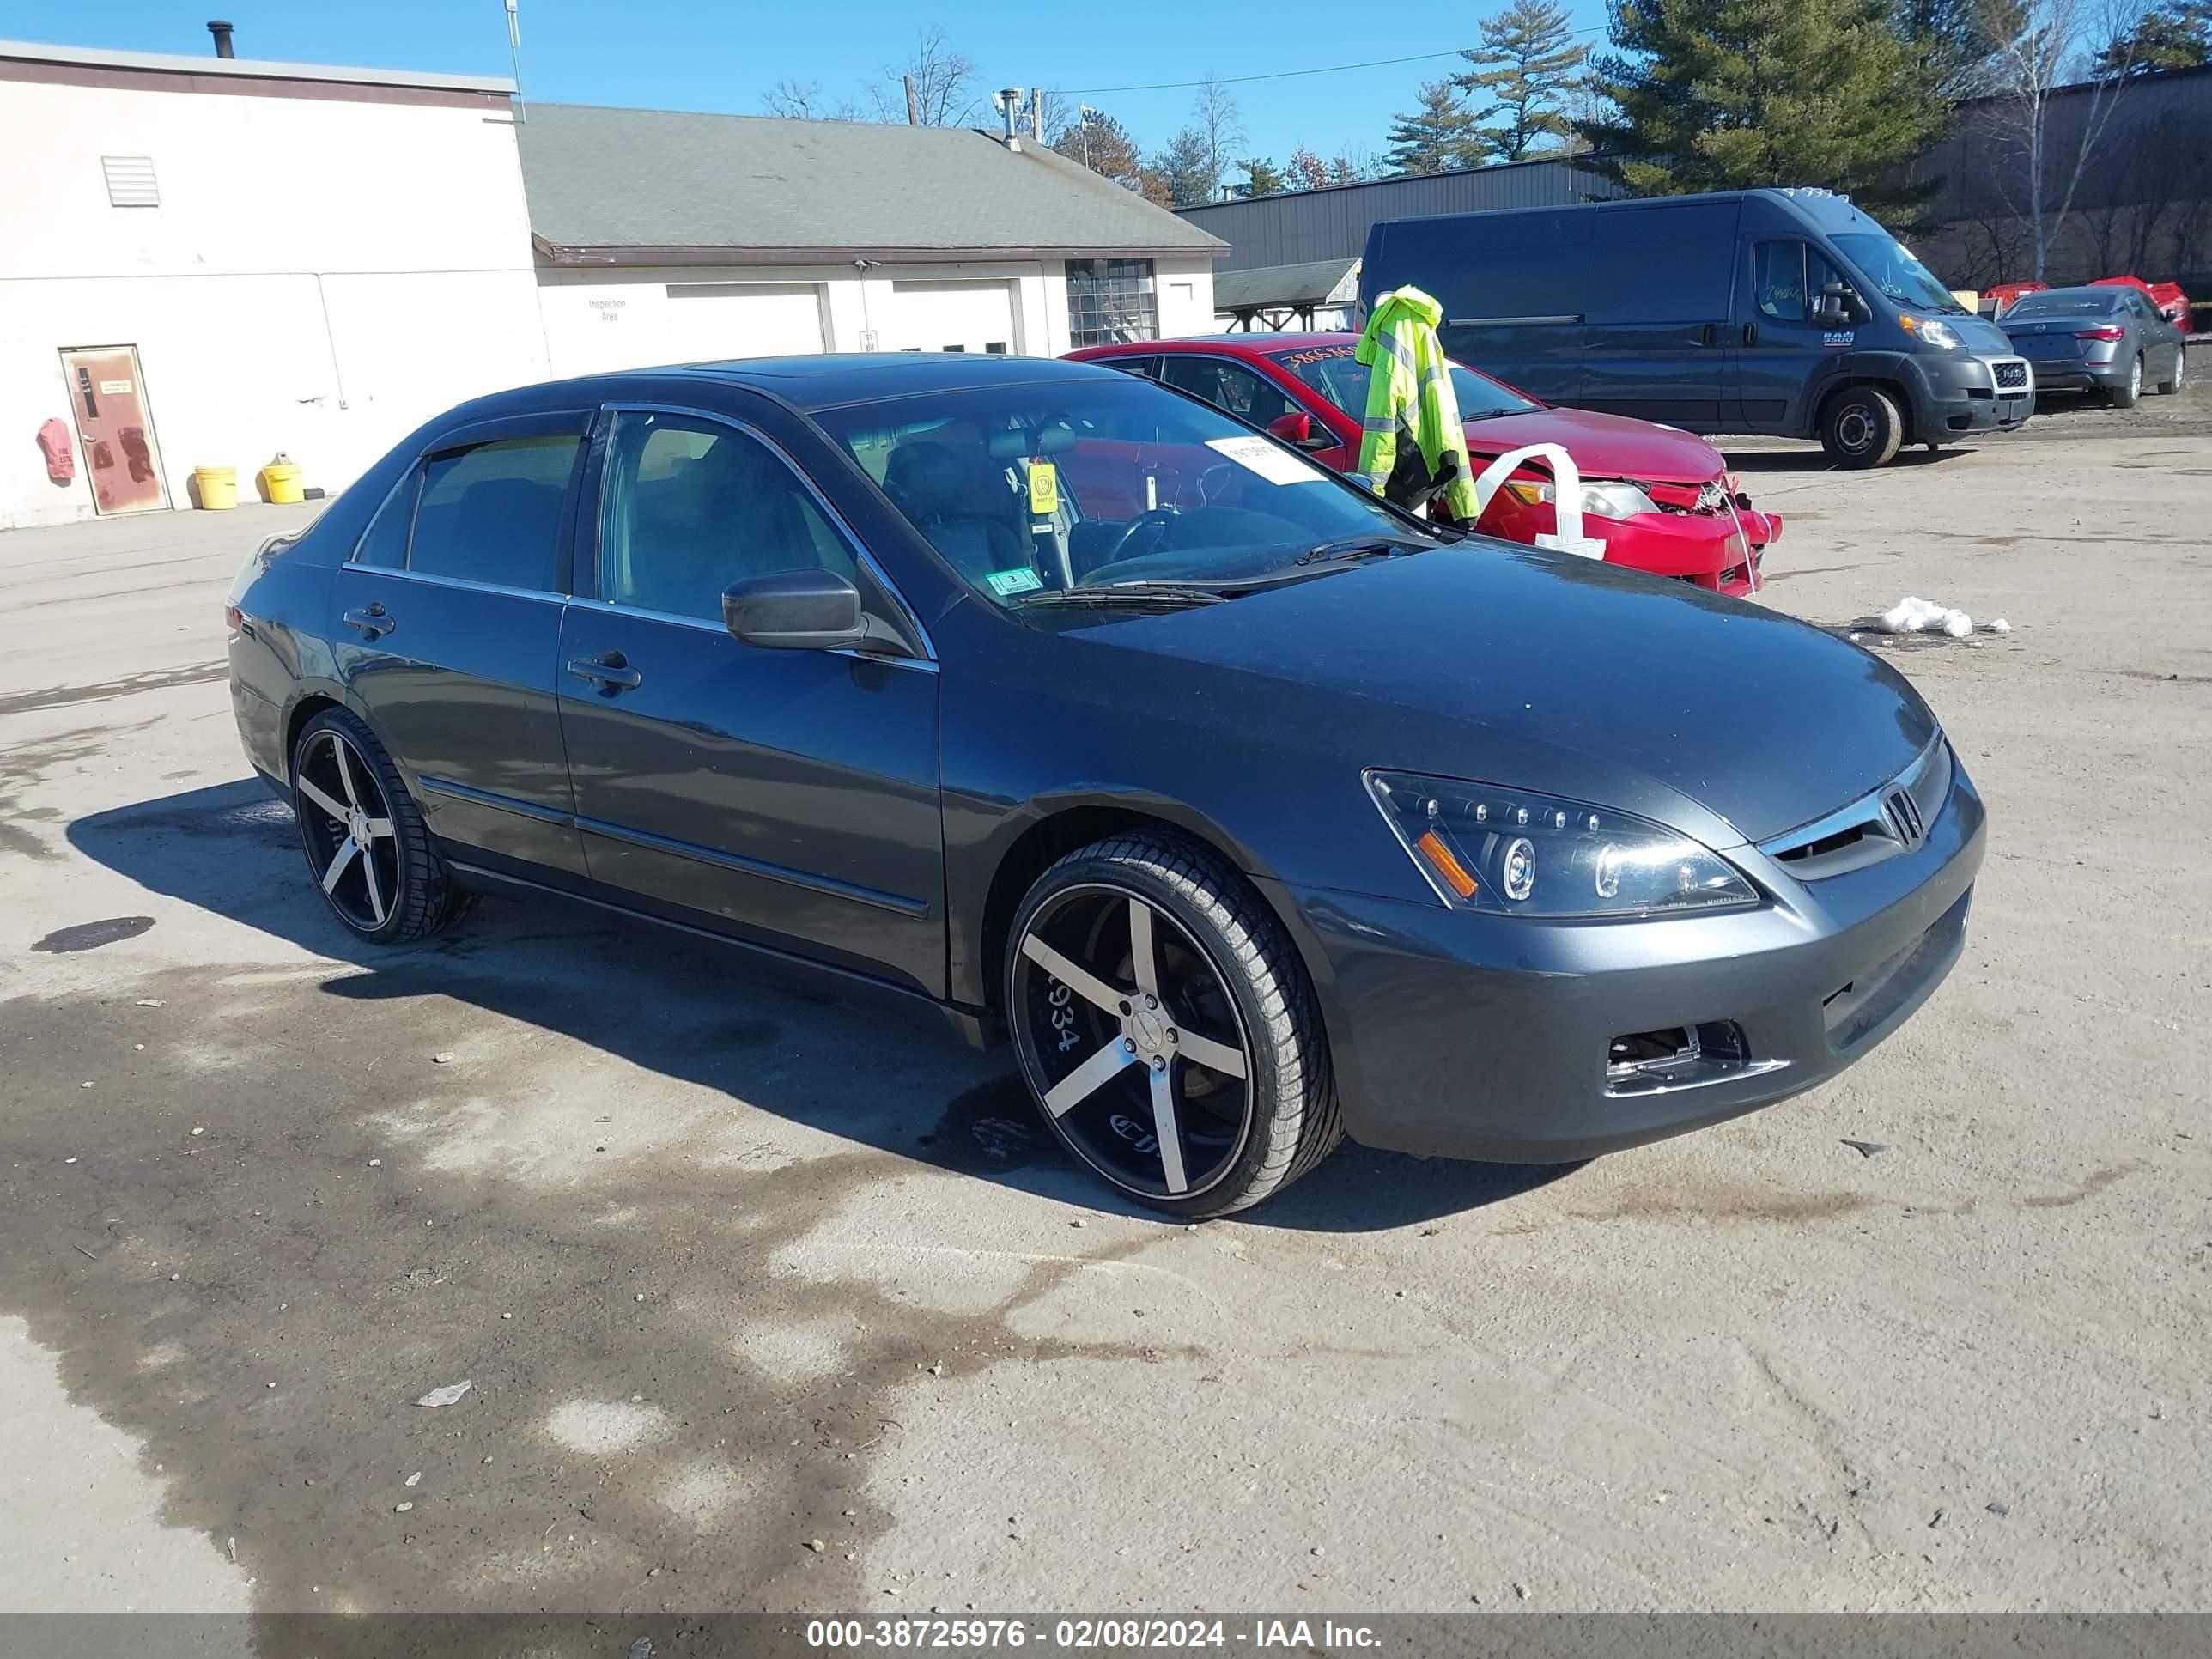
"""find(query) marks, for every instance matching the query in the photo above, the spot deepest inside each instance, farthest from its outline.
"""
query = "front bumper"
(1716, 551)
(1463, 1035)
(1957, 394)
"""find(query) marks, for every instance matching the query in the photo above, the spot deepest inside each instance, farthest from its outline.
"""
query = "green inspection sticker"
(1008, 583)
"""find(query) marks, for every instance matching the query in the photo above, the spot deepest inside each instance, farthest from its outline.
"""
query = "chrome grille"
(1889, 821)
(2011, 374)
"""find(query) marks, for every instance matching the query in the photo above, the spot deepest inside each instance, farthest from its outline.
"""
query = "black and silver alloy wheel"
(347, 829)
(1166, 1028)
(368, 849)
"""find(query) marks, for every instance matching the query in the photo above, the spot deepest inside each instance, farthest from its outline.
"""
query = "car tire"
(1213, 1048)
(1860, 427)
(2172, 384)
(368, 851)
(2128, 396)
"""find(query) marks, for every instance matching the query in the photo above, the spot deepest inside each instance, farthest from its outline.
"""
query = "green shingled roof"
(626, 181)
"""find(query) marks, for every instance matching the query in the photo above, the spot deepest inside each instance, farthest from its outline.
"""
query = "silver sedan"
(2107, 339)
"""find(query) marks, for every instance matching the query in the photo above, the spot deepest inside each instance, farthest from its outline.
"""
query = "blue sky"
(716, 56)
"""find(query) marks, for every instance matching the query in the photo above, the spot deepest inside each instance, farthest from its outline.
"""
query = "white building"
(663, 236)
(205, 261)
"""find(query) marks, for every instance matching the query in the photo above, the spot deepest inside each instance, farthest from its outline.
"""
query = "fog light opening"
(1680, 1056)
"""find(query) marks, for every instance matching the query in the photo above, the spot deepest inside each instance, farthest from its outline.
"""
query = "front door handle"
(1712, 335)
(371, 619)
(1751, 333)
(610, 673)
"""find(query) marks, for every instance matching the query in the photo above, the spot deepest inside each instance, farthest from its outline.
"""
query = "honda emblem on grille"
(1903, 813)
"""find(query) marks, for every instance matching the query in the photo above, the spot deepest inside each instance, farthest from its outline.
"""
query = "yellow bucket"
(280, 482)
(218, 486)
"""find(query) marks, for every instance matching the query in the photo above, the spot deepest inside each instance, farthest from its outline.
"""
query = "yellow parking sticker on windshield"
(1044, 488)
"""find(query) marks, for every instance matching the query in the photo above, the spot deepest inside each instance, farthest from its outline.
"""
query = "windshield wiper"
(1358, 547)
(1126, 596)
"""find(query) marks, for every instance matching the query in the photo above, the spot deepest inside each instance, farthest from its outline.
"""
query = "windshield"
(1892, 269)
(1033, 490)
(2062, 304)
(1341, 378)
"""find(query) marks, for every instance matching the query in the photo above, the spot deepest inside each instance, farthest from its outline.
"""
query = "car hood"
(1603, 445)
(1572, 677)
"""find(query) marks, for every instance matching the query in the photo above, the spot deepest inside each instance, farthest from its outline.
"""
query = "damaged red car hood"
(1603, 445)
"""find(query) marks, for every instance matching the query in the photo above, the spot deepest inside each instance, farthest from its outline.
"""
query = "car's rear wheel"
(1861, 427)
(2126, 397)
(368, 851)
(1166, 1027)
(2172, 382)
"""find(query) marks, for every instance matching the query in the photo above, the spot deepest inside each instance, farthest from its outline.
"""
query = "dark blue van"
(1786, 312)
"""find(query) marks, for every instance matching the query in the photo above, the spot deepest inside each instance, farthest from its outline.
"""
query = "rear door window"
(492, 513)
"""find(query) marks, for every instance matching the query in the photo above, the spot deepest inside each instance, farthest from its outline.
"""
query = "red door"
(107, 399)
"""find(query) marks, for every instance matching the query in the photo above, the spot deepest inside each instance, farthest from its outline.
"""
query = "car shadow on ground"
(1812, 459)
(873, 1067)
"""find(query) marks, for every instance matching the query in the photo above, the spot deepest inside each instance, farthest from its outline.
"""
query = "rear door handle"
(371, 619)
(1751, 333)
(610, 673)
(1712, 334)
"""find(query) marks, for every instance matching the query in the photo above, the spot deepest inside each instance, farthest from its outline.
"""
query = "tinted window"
(1339, 376)
(2064, 302)
(1487, 264)
(1660, 265)
(1788, 278)
(492, 513)
(385, 544)
(1229, 386)
(691, 506)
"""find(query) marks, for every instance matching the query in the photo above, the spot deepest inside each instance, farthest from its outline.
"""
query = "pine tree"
(1527, 62)
(1727, 94)
(1102, 144)
(2176, 34)
(1438, 135)
(1261, 177)
(1186, 167)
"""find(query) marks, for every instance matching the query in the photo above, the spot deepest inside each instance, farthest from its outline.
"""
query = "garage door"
(709, 321)
(949, 316)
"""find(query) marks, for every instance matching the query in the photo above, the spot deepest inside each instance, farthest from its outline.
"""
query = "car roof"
(2081, 291)
(825, 381)
(1239, 344)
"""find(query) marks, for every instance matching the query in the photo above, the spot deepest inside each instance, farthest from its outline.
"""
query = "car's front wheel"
(1166, 1027)
(1861, 427)
(368, 851)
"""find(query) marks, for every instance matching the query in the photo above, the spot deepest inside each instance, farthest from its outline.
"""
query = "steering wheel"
(1159, 517)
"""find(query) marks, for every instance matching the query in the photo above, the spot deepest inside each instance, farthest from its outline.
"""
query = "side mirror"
(794, 610)
(1298, 428)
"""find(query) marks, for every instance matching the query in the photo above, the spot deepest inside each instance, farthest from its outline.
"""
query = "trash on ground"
(1910, 615)
(2000, 626)
(1866, 1148)
(415, 1480)
(447, 1395)
(445, 1058)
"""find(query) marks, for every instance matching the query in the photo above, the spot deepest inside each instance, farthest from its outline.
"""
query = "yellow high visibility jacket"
(1410, 393)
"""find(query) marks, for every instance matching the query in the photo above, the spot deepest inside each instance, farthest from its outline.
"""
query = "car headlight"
(1512, 853)
(1936, 332)
(1606, 500)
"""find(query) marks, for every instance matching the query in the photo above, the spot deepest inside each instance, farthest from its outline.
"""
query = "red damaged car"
(1659, 499)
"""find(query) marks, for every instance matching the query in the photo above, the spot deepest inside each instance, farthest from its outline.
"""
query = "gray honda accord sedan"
(1253, 811)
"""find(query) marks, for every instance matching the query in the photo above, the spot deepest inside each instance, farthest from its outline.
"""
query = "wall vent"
(131, 181)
